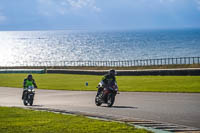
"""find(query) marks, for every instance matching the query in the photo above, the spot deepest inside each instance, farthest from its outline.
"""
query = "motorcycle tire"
(111, 100)
(97, 102)
(25, 102)
(31, 102)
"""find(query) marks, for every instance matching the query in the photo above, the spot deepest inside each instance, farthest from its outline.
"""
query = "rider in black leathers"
(107, 80)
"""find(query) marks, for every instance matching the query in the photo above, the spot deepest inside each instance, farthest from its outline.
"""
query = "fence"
(126, 63)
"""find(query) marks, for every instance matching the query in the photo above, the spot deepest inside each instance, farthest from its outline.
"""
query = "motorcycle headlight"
(29, 90)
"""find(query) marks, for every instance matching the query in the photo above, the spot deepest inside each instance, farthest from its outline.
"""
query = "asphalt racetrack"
(176, 108)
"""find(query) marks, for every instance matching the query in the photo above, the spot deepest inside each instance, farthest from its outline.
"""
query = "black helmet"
(30, 77)
(112, 72)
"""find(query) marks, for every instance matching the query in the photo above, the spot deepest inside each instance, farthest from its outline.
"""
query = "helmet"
(30, 77)
(112, 72)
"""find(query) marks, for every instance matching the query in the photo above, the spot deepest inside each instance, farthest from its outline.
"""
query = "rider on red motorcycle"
(108, 80)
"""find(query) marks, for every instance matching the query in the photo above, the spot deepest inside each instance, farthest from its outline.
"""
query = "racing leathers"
(27, 83)
(107, 80)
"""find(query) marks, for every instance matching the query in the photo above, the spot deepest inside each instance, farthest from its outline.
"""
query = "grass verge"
(126, 83)
(17, 120)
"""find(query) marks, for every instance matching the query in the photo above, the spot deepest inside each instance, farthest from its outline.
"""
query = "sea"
(17, 47)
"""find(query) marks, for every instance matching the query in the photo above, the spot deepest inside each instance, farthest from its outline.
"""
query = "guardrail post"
(189, 60)
(161, 61)
(193, 60)
(185, 60)
(180, 60)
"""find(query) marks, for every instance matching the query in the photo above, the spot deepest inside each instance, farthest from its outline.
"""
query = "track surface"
(176, 108)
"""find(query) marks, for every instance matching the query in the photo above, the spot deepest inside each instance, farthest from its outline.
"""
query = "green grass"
(16, 120)
(126, 83)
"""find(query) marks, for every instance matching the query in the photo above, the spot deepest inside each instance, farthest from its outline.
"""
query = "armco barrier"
(161, 72)
(39, 71)
(82, 72)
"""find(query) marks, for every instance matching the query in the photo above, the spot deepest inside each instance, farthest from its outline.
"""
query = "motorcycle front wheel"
(25, 102)
(97, 102)
(31, 102)
(110, 100)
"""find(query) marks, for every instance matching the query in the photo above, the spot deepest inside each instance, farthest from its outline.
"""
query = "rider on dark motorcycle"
(107, 81)
(29, 81)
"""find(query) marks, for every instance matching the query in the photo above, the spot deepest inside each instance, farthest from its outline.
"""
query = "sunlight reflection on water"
(17, 47)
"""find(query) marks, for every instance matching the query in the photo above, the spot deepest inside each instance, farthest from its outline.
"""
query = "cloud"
(62, 7)
(166, 1)
(83, 4)
(2, 18)
(198, 3)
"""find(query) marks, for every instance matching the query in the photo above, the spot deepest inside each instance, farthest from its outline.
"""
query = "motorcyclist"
(108, 80)
(29, 81)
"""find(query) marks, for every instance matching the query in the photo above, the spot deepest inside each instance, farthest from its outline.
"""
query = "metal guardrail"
(39, 71)
(125, 63)
(161, 72)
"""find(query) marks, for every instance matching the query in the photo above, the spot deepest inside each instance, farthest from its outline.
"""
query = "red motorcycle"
(107, 96)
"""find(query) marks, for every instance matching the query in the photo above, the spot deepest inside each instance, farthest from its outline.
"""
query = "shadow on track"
(123, 107)
(37, 105)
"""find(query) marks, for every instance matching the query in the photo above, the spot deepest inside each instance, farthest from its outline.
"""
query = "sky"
(98, 14)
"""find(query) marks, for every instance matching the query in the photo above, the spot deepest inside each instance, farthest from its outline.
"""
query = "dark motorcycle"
(29, 96)
(107, 96)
